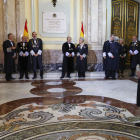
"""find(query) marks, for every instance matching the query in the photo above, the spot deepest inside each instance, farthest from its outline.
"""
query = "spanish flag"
(25, 30)
(82, 31)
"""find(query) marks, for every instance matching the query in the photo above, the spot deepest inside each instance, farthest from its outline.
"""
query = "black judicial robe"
(138, 93)
(8, 56)
(68, 62)
(134, 59)
(23, 62)
(36, 61)
(81, 65)
(122, 60)
(106, 48)
(115, 49)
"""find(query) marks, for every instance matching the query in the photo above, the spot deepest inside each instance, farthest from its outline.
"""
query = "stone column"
(20, 18)
(94, 12)
(94, 18)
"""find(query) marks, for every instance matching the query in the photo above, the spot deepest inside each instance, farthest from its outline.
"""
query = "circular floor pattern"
(56, 90)
(47, 90)
(53, 83)
(78, 130)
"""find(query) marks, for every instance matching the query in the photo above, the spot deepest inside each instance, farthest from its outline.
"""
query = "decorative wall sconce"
(54, 2)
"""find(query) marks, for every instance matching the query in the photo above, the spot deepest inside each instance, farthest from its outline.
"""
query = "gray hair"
(82, 39)
(116, 38)
(112, 35)
(34, 32)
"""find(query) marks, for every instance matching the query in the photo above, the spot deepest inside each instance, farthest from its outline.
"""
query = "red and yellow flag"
(26, 30)
(82, 31)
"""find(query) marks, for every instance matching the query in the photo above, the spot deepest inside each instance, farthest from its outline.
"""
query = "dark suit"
(36, 61)
(23, 62)
(122, 60)
(68, 62)
(113, 65)
(106, 48)
(134, 59)
(8, 58)
(81, 65)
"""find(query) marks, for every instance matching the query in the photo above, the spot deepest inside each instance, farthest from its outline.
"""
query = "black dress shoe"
(68, 76)
(12, 78)
(113, 78)
(27, 77)
(106, 77)
(137, 124)
(34, 78)
(61, 77)
(20, 77)
(41, 77)
(8, 80)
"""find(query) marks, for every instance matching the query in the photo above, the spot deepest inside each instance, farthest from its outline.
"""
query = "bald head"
(23, 39)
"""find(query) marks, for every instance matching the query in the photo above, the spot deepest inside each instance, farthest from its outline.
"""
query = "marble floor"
(69, 109)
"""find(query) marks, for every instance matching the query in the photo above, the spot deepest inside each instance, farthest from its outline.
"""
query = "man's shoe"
(8, 80)
(20, 77)
(34, 78)
(113, 78)
(68, 76)
(106, 77)
(41, 77)
(61, 77)
(27, 77)
(12, 78)
(137, 124)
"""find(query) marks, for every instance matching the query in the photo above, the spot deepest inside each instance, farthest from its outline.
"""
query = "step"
(57, 75)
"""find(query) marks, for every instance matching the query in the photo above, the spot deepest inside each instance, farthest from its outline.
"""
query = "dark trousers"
(41, 74)
(22, 74)
(63, 74)
(81, 74)
(8, 76)
(112, 73)
(107, 74)
(133, 72)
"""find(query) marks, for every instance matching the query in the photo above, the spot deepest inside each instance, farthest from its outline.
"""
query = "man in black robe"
(134, 49)
(138, 93)
(68, 50)
(106, 48)
(114, 54)
(23, 58)
(9, 56)
(35, 45)
(81, 60)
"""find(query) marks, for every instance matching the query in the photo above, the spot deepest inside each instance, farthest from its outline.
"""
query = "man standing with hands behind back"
(35, 45)
(9, 56)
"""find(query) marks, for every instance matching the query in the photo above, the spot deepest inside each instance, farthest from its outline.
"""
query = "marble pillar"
(95, 22)
(94, 19)
(12, 21)
(20, 18)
